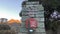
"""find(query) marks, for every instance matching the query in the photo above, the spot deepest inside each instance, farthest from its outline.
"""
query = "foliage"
(20, 14)
(4, 27)
(7, 32)
(53, 3)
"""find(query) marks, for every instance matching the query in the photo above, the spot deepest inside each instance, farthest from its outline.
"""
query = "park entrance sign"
(36, 10)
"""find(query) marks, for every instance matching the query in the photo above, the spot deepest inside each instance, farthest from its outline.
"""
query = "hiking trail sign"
(36, 10)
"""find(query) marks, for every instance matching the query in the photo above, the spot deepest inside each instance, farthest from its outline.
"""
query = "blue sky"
(10, 9)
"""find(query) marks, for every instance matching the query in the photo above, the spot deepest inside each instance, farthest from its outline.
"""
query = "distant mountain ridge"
(14, 21)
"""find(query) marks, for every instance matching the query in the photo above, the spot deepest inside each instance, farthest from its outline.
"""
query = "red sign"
(31, 23)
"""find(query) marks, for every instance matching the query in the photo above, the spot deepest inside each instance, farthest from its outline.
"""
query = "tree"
(20, 14)
(4, 27)
(53, 3)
